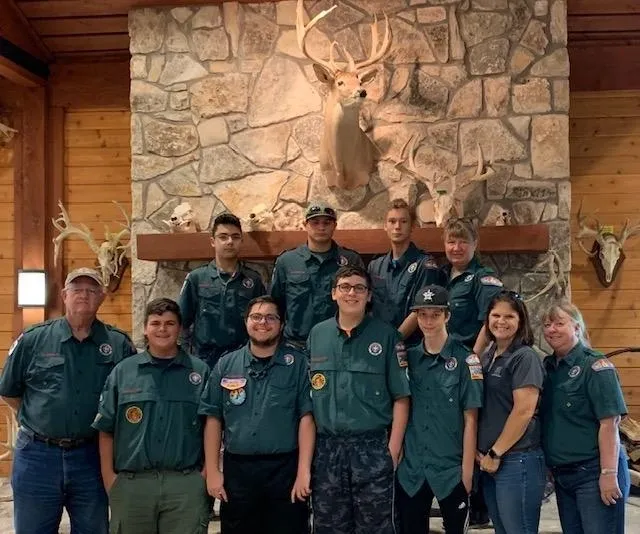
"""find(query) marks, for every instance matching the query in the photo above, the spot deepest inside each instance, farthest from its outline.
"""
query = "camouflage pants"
(352, 485)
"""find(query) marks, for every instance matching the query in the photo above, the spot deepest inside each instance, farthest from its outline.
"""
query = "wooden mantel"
(267, 245)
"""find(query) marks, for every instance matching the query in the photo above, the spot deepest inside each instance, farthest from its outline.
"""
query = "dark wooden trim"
(15, 27)
(267, 245)
(18, 209)
(23, 59)
(55, 192)
(600, 66)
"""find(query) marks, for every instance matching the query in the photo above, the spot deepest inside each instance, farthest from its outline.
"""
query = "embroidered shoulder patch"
(430, 264)
(476, 372)
(491, 281)
(602, 364)
(233, 383)
(473, 359)
(401, 354)
(13, 346)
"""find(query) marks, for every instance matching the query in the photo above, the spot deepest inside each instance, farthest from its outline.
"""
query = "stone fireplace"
(227, 115)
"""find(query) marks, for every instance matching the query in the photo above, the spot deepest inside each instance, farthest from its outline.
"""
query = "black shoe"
(479, 520)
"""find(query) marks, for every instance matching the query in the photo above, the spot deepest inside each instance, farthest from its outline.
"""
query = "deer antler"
(556, 280)
(7, 131)
(302, 30)
(586, 231)
(63, 224)
(376, 53)
(12, 433)
(628, 232)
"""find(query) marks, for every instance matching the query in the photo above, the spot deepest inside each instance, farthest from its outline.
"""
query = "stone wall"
(227, 115)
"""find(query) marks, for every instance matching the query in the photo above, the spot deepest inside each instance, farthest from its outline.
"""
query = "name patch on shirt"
(233, 383)
(601, 365)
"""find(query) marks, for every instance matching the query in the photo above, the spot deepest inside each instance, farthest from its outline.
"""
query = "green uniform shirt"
(355, 379)
(260, 404)
(395, 283)
(215, 305)
(152, 412)
(581, 389)
(60, 378)
(442, 387)
(470, 294)
(302, 286)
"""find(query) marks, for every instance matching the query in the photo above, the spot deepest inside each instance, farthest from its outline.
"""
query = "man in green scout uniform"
(214, 297)
(397, 275)
(440, 442)
(260, 396)
(302, 277)
(52, 379)
(360, 396)
(151, 435)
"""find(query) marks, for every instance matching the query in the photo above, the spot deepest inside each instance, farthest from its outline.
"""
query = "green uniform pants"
(159, 502)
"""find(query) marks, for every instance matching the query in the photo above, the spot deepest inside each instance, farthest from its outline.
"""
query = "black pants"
(413, 512)
(259, 493)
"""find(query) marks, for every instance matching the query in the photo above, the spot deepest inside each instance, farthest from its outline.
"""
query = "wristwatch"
(494, 455)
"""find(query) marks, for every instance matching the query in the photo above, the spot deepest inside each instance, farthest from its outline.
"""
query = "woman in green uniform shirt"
(582, 403)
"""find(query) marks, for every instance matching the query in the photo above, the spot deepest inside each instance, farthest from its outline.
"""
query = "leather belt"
(64, 443)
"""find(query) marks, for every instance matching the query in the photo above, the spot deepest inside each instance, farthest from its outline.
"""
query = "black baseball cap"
(319, 209)
(432, 296)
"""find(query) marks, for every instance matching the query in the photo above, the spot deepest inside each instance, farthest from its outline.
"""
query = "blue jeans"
(47, 478)
(579, 505)
(514, 493)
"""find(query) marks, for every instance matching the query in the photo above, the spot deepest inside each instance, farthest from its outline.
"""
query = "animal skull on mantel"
(347, 155)
(607, 252)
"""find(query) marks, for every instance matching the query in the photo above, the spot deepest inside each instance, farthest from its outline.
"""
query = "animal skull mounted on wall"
(6, 132)
(607, 253)
(111, 259)
(347, 155)
(183, 220)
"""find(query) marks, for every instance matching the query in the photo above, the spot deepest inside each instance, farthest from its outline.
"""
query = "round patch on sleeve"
(318, 381)
(133, 415)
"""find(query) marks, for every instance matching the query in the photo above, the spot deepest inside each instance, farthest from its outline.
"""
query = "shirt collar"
(182, 359)
(306, 253)
(571, 358)
(473, 267)
(98, 333)
(214, 272)
(277, 358)
(356, 330)
(410, 255)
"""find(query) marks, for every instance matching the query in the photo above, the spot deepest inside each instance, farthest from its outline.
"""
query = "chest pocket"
(463, 300)
(186, 401)
(323, 374)
(299, 288)
(136, 397)
(369, 380)
(449, 391)
(209, 297)
(282, 388)
(104, 367)
(573, 397)
(48, 373)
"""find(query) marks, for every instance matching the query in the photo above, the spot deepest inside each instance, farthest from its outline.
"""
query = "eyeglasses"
(269, 318)
(359, 289)
(317, 210)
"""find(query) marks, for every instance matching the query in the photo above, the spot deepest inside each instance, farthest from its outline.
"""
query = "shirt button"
(568, 404)
(450, 400)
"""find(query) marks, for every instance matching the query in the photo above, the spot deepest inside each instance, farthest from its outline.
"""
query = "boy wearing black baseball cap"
(440, 441)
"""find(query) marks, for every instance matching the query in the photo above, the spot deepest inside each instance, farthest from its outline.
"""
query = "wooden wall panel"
(605, 176)
(97, 165)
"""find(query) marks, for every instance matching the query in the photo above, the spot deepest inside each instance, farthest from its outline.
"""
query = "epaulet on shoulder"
(250, 271)
(118, 330)
(594, 354)
(292, 249)
(350, 250)
(293, 348)
(37, 326)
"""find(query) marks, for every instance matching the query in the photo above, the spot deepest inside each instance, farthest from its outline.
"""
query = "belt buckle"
(65, 443)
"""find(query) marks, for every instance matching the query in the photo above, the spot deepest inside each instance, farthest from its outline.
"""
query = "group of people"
(342, 396)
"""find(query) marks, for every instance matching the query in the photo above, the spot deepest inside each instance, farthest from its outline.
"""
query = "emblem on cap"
(195, 378)
(248, 283)
(106, 349)
(428, 295)
(412, 268)
(451, 364)
(237, 396)
(342, 261)
(375, 349)
(318, 381)
(289, 359)
(574, 371)
(133, 414)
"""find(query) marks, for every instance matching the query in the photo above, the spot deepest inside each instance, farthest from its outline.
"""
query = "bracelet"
(606, 471)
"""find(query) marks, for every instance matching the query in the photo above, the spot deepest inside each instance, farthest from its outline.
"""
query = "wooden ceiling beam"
(81, 25)
(15, 27)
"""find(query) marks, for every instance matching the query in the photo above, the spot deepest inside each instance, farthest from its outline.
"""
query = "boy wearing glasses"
(302, 277)
(260, 395)
(360, 396)
(214, 298)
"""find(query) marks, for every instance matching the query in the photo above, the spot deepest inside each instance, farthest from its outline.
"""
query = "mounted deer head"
(443, 196)
(607, 252)
(111, 257)
(347, 155)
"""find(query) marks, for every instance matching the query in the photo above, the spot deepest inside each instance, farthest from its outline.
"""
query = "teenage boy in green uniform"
(301, 283)
(440, 442)
(397, 275)
(214, 297)
(360, 396)
(151, 436)
(260, 395)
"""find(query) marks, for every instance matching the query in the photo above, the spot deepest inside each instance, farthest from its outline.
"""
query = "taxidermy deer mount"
(607, 252)
(111, 259)
(347, 155)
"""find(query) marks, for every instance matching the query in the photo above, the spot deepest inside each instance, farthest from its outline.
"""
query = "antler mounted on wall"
(6, 132)
(443, 194)
(111, 257)
(607, 253)
(558, 281)
(347, 155)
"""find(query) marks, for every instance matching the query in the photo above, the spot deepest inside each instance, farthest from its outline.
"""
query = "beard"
(271, 341)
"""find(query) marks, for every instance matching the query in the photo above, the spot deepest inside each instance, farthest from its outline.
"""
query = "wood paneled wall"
(605, 176)
(97, 171)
